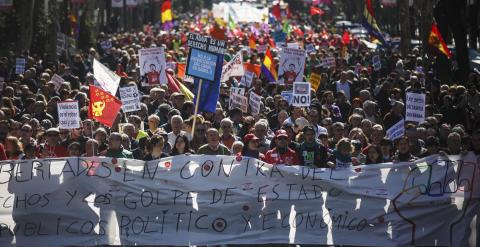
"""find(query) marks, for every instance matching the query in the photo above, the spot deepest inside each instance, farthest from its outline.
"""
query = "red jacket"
(288, 158)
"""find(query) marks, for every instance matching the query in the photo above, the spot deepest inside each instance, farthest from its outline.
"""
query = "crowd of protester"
(345, 124)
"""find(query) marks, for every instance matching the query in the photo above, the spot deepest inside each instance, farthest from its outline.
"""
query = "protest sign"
(207, 200)
(203, 56)
(377, 63)
(106, 44)
(310, 48)
(301, 94)
(106, 78)
(68, 115)
(415, 107)
(288, 96)
(20, 65)
(292, 63)
(130, 98)
(239, 101)
(396, 131)
(61, 43)
(255, 103)
(233, 68)
(293, 45)
(117, 3)
(57, 81)
(235, 90)
(247, 79)
(152, 66)
(329, 62)
(171, 65)
(262, 48)
(279, 36)
(315, 80)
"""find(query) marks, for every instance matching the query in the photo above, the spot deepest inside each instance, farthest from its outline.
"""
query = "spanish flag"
(268, 67)
(103, 107)
(167, 11)
(436, 40)
(370, 23)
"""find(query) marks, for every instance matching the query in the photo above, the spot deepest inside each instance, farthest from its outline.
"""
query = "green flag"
(231, 22)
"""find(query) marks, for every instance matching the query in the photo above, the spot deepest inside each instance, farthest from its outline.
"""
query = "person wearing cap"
(250, 148)
(52, 147)
(281, 154)
(115, 148)
(311, 152)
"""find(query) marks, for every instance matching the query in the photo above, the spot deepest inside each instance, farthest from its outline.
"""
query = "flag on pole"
(210, 90)
(106, 78)
(436, 40)
(316, 11)
(268, 67)
(231, 23)
(346, 37)
(103, 107)
(167, 11)
(277, 11)
(252, 42)
(370, 23)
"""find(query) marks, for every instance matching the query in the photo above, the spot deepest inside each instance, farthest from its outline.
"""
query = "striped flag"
(268, 67)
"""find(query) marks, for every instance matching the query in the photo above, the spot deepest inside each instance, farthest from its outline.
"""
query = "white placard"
(301, 94)
(292, 64)
(233, 68)
(130, 98)
(68, 115)
(396, 131)
(288, 96)
(239, 101)
(377, 63)
(247, 79)
(415, 104)
(106, 78)
(329, 62)
(117, 3)
(255, 103)
(310, 48)
(152, 66)
(262, 48)
(20, 65)
(235, 90)
(57, 81)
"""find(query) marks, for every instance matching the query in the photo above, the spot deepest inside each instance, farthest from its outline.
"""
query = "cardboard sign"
(255, 103)
(68, 115)
(301, 94)
(239, 101)
(247, 79)
(107, 79)
(292, 64)
(415, 104)
(57, 81)
(233, 68)
(315, 80)
(130, 98)
(329, 62)
(203, 56)
(288, 96)
(396, 131)
(377, 63)
(152, 66)
(20, 65)
(235, 90)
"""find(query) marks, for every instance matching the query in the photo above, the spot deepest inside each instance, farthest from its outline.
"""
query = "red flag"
(218, 32)
(436, 40)
(346, 37)
(316, 11)
(252, 42)
(255, 68)
(277, 11)
(103, 107)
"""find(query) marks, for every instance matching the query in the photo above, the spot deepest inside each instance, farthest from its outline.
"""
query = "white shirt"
(172, 137)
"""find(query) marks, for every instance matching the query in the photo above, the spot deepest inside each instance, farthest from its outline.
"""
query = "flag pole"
(197, 99)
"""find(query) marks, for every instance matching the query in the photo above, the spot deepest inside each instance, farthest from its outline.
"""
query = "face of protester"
(158, 148)
(376, 136)
(313, 117)
(153, 123)
(454, 144)
(52, 138)
(26, 132)
(199, 131)
(282, 116)
(129, 130)
(403, 147)
(176, 125)
(74, 151)
(338, 132)
(309, 136)
(213, 139)
(91, 148)
(283, 105)
(330, 99)
(253, 145)
(260, 131)
(114, 142)
(180, 144)
(373, 155)
(282, 142)
(226, 128)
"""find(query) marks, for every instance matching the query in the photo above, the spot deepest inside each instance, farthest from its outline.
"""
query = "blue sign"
(279, 36)
(201, 64)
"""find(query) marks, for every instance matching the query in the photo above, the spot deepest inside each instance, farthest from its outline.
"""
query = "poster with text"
(152, 66)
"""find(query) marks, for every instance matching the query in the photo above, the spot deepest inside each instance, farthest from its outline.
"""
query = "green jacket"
(121, 153)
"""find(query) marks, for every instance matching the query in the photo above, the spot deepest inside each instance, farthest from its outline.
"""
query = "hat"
(250, 137)
(280, 133)
(53, 130)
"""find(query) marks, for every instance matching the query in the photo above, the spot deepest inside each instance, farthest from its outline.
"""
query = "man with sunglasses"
(282, 154)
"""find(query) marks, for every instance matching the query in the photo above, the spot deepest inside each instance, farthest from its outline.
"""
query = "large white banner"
(292, 63)
(207, 200)
(152, 66)
(106, 78)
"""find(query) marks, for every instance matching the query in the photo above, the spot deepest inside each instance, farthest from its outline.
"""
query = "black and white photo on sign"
(292, 63)
(235, 90)
(152, 66)
(130, 98)
(247, 79)
(301, 94)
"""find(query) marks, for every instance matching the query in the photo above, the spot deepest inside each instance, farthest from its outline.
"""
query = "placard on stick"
(203, 56)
